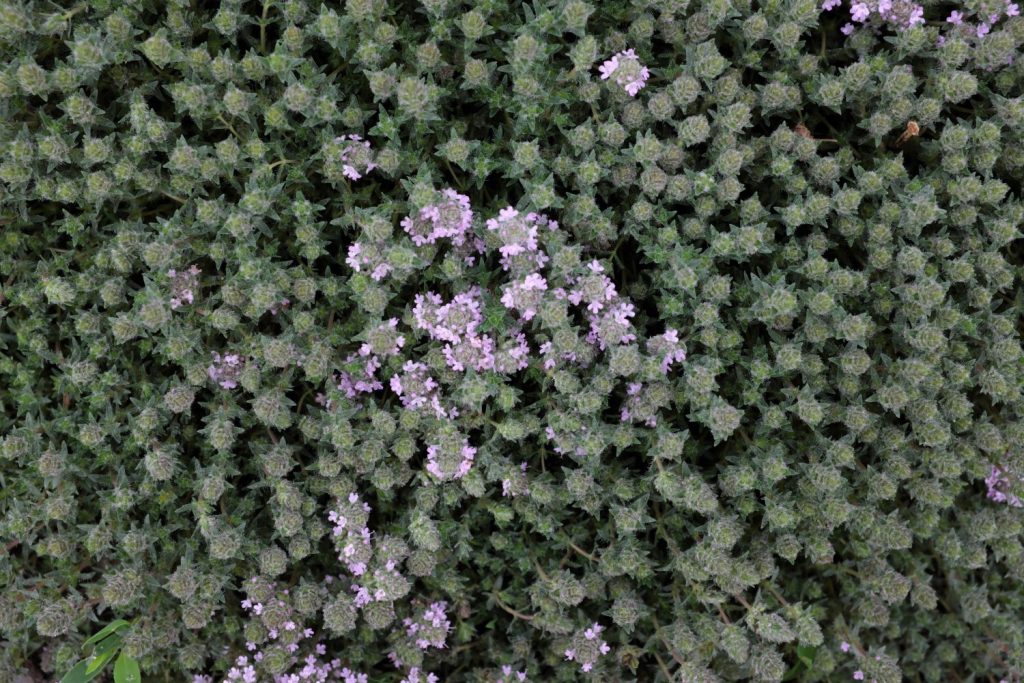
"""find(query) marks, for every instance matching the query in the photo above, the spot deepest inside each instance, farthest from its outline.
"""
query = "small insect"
(802, 130)
(913, 130)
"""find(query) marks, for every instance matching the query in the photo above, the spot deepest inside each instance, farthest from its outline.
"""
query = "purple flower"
(383, 340)
(371, 258)
(847, 29)
(627, 70)
(860, 12)
(431, 629)
(450, 217)
(447, 463)
(1013, 10)
(526, 295)
(417, 389)
(667, 346)
(844, 646)
(916, 16)
(858, 675)
(355, 156)
(999, 483)
(831, 4)
(518, 234)
(956, 18)
(183, 285)
(983, 30)
(226, 370)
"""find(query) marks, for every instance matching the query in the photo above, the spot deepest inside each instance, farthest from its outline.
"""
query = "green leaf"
(98, 662)
(806, 655)
(108, 645)
(77, 673)
(126, 670)
(113, 626)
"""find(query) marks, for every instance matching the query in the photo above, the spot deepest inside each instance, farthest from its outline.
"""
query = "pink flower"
(450, 217)
(858, 675)
(183, 285)
(847, 29)
(226, 370)
(956, 18)
(998, 483)
(355, 156)
(860, 12)
(983, 30)
(627, 70)
(446, 465)
(1013, 10)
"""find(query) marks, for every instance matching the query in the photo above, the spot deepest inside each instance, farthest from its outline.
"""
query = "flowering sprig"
(999, 483)
(447, 462)
(900, 14)
(518, 236)
(450, 217)
(355, 155)
(184, 284)
(668, 347)
(431, 628)
(587, 647)
(226, 370)
(371, 257)
(351, 535)
(625, 69)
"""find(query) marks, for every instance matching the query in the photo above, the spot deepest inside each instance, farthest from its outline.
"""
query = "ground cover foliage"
(444, 341)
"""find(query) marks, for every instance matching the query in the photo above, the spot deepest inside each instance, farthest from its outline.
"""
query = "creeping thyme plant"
(410, 341)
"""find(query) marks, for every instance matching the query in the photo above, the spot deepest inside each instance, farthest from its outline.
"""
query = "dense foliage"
(487, 341)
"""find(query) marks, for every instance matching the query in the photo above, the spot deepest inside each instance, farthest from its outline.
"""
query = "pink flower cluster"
(518, 236)
(587, 648)
(525, 295)
(901, 14)
(416, 675)
(362, 379)
(383, 341)
(376, 587)
(313, 667)
(506, 675)
(625, 69)
(432, 627)
(226, 369)
(356, 156)
(668, 347)
(456, 323)
(184, 284)
(351, 534)
(451, 217)
(610, 314)
(999, 483)
(447, 464)
(354, 541)
(418, 390)
(981, 22)
(369, 256)
(453, 321)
